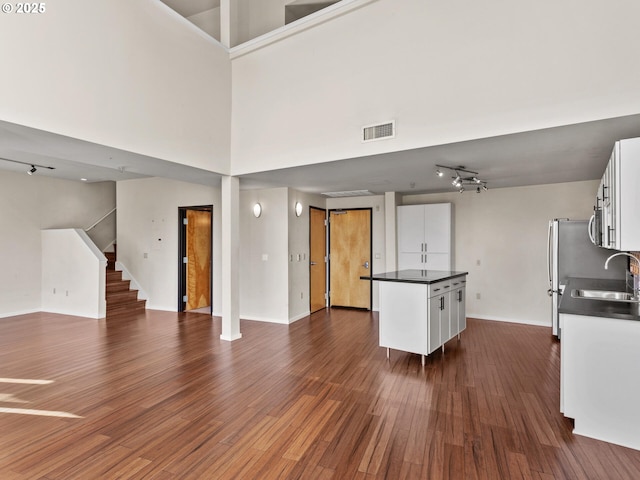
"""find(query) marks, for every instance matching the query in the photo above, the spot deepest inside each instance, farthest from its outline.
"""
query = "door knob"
(366, 265)
(313, 263)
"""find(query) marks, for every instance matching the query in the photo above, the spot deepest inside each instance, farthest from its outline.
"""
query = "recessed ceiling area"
(554, 155)
(75, 159)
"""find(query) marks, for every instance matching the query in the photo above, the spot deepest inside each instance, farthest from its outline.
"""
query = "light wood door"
(198, 259)
(350, 258)
(317, 265)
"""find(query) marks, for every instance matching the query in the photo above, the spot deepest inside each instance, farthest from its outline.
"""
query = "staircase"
(121, 300)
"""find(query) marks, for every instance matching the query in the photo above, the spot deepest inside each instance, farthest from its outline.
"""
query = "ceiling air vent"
(379, 132)
(349, 193)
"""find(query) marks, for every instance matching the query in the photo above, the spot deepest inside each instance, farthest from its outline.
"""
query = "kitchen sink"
(605, 295)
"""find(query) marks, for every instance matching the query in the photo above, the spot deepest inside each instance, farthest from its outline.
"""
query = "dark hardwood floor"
(160, 396)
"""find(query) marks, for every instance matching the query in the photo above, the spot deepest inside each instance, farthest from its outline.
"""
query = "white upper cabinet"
(619, 197)
(424, 237)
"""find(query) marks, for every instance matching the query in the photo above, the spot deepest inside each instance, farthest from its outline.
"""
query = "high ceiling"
(563, 154)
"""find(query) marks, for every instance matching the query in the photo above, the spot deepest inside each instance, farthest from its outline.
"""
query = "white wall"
(445, 71)
(263, 256)
(376, 203)
(133, 75)
(505, 230)
(275, 288)
(299, 293)
(148, 223)
(29, 204)
(73, 274)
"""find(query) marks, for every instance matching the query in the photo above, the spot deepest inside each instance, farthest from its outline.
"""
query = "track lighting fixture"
(33, 166)
(463, 177)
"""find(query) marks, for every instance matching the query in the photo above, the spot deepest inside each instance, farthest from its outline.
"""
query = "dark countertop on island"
(415, 276)
(597, 308)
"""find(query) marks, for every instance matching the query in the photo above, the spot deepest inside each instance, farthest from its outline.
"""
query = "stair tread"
(122, 300)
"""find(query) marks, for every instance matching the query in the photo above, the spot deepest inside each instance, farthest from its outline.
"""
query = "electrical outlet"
(478, 262)
(478, 296)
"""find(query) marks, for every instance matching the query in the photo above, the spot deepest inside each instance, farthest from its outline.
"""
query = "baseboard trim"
(536, 323)
(264, 319)
(18, 313)
(299, 317)
(238, 336)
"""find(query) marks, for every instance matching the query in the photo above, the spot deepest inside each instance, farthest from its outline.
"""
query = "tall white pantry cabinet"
(424, 237)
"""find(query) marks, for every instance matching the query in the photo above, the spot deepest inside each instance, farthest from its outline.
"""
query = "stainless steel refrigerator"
(570, 253)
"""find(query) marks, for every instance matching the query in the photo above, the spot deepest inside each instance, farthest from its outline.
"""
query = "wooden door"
(350, 258)
(198, 259)
(317, 254)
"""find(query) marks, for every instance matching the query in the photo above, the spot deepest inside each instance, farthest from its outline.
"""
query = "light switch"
(265, 257)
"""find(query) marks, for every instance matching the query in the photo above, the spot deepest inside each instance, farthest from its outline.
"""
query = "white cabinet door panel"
(434, 322)
(411, 228)
(409, 261)
(437, 229)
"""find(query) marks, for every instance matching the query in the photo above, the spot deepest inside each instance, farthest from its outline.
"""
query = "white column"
(228, 23)
(230, 259)
(391, 201)
(225, 23)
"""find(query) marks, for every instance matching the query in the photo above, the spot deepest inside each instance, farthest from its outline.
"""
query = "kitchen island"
(420, 310)
(600, 363)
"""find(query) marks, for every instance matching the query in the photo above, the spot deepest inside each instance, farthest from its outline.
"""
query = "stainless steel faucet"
(636, 284)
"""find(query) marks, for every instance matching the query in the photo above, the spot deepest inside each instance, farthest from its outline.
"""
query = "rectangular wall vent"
(379, 132)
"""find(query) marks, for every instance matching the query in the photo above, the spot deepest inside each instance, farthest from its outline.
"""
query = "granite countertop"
(597, 308)
(415, 276)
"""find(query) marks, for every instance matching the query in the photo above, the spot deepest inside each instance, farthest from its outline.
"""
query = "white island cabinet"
(420, 310)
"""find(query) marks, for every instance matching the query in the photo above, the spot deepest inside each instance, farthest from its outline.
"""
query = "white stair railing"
(103, 231)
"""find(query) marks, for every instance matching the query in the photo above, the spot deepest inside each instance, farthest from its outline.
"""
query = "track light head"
(462, 176)
(32, 170)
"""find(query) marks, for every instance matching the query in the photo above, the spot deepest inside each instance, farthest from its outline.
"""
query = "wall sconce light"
(298, 209)
(257, 210)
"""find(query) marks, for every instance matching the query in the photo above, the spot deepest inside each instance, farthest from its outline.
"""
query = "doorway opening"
(317, 259)
(350, 244)
(195, 259)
